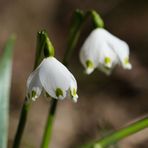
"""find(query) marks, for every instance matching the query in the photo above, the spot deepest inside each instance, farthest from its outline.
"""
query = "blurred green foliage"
(5, 82)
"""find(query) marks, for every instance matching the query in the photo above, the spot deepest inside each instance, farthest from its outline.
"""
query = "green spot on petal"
(33, 94)
(74, 92)
(89, 64)
(126, 60)
(107, 60)
(59, 92)
(126, 64)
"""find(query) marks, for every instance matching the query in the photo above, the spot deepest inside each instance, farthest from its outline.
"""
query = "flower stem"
(49, 123)
(79, 18)
(74, 33)
(27, 104)
(72, 41)
(21, 124)
(120, 134)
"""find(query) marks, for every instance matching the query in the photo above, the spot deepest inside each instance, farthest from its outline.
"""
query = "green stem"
(41, 40)
(120, 134)
(26, 105)
(49, 124)
(72, 41)
(79, 18)
(74, 33)
(21, 124)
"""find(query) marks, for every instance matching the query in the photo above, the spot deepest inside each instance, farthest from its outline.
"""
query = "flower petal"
(73, 89)
(60, 94)
(34, 87)
(105, 69)
(54, 75)
(89, 50)
(73, 94)
(107, 56)
(89, 67)
(104, 50)
(121, 48)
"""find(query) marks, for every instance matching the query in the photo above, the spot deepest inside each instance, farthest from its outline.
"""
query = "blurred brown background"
(105, 103)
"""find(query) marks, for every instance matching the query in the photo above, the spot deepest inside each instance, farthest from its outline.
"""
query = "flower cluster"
(52, 77)
(101, 50)
(104, 51)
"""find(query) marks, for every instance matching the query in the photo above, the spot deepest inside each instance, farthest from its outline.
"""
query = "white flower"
(104, 51)
(54, 78)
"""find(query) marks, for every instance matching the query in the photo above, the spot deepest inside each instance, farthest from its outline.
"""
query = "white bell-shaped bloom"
(53, 77)
(104, 51)
(34, 87)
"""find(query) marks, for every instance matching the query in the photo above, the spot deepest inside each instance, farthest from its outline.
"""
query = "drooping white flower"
(54, 78)
(104, 51)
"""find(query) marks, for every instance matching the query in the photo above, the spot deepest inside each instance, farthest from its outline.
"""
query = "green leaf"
(5, 81)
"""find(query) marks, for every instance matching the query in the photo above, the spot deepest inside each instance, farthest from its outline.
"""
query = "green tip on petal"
(59, 92)
(126, 60)
(107, 60)
(126, 64)
(73, 93)
(89, 64)
(33, 95)
(89, 67)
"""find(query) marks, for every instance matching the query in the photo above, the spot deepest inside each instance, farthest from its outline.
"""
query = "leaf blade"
(5, 82)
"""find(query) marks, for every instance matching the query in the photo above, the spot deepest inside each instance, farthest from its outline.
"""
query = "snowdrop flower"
(104, 51)
(54, 78)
